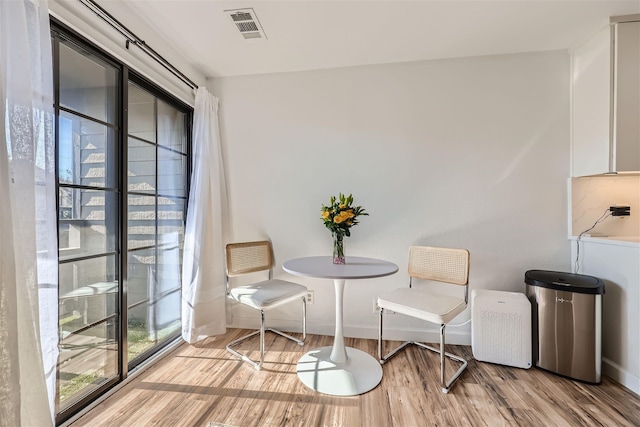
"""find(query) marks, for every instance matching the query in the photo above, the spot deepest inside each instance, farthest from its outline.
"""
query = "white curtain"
(28, 233)
(203, 287)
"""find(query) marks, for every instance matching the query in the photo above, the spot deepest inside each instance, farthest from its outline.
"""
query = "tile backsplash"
(591, 196)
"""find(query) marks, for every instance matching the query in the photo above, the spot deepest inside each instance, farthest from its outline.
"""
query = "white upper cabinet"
(606, 100)
(626, 129)
(591, 94)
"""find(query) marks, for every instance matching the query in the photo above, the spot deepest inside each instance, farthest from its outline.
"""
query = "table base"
(359, 374)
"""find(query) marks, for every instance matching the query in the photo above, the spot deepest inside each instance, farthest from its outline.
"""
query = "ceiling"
(308, 35)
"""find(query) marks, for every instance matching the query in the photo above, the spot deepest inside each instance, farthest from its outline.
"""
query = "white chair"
(252, 257)
(436, 265)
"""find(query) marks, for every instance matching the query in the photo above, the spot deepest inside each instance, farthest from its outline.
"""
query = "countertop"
(631, 241)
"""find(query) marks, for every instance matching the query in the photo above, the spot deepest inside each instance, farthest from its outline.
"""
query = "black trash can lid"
(569, 282)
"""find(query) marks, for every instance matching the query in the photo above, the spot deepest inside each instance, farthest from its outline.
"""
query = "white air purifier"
(501, 328)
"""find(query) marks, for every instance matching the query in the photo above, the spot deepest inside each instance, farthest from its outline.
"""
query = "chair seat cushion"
(268, 294)
(435, 308)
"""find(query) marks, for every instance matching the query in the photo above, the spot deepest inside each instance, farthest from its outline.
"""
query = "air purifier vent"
(501, 328)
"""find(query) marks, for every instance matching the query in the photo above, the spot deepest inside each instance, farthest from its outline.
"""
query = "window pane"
(86, 152)
(87, 222)
(153, 299)
(170, 221)
(142, 114)
(141, 268)
(87, 360)
(88, 292)
(140, 287)
(171, 173)
(169, 271)
(88, 84)
(141, 170)
(171, 131)
(141, 226)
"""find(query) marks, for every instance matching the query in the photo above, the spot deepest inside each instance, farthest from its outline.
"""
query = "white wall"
(470, 152)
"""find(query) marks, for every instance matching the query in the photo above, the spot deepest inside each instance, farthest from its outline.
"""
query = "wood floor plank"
(476, 404)
(203, 383)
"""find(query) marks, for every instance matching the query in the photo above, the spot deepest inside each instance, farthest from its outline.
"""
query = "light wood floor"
(203, 384)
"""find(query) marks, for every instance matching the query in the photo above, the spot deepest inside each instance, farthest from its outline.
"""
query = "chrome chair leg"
(442, 383)
(258, 365)
(380, 336)
(261, 338)
(446, 385)
(240, 355)
(304, 320)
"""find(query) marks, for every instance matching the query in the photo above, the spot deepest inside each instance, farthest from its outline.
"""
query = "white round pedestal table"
(339, 370)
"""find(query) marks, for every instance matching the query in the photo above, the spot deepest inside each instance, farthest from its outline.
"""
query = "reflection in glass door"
(88, 194)
(156, 203)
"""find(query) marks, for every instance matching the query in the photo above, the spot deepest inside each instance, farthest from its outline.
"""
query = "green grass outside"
(138, 342)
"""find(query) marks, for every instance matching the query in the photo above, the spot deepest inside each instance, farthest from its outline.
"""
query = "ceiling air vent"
(247, 23)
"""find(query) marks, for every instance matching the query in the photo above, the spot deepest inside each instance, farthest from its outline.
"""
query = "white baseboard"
(620, 375)
(453, 336)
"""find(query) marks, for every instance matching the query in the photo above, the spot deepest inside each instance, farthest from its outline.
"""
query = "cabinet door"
(626, 134)
(591, 71)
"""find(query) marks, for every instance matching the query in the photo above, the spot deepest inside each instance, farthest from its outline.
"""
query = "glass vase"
(338, 249)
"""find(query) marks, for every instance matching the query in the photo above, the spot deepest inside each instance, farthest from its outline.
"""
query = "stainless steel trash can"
(566, 323)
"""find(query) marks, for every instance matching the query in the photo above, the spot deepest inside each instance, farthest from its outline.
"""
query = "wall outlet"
(310, 297)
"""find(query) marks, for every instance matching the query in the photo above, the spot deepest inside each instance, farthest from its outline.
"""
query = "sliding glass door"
(122, 148)
(156, 202)
(88, 125)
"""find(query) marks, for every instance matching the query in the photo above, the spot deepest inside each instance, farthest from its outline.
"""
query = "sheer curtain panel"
(28, 235)
(203, 287)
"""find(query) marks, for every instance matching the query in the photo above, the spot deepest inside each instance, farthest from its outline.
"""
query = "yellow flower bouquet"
(339, 216)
